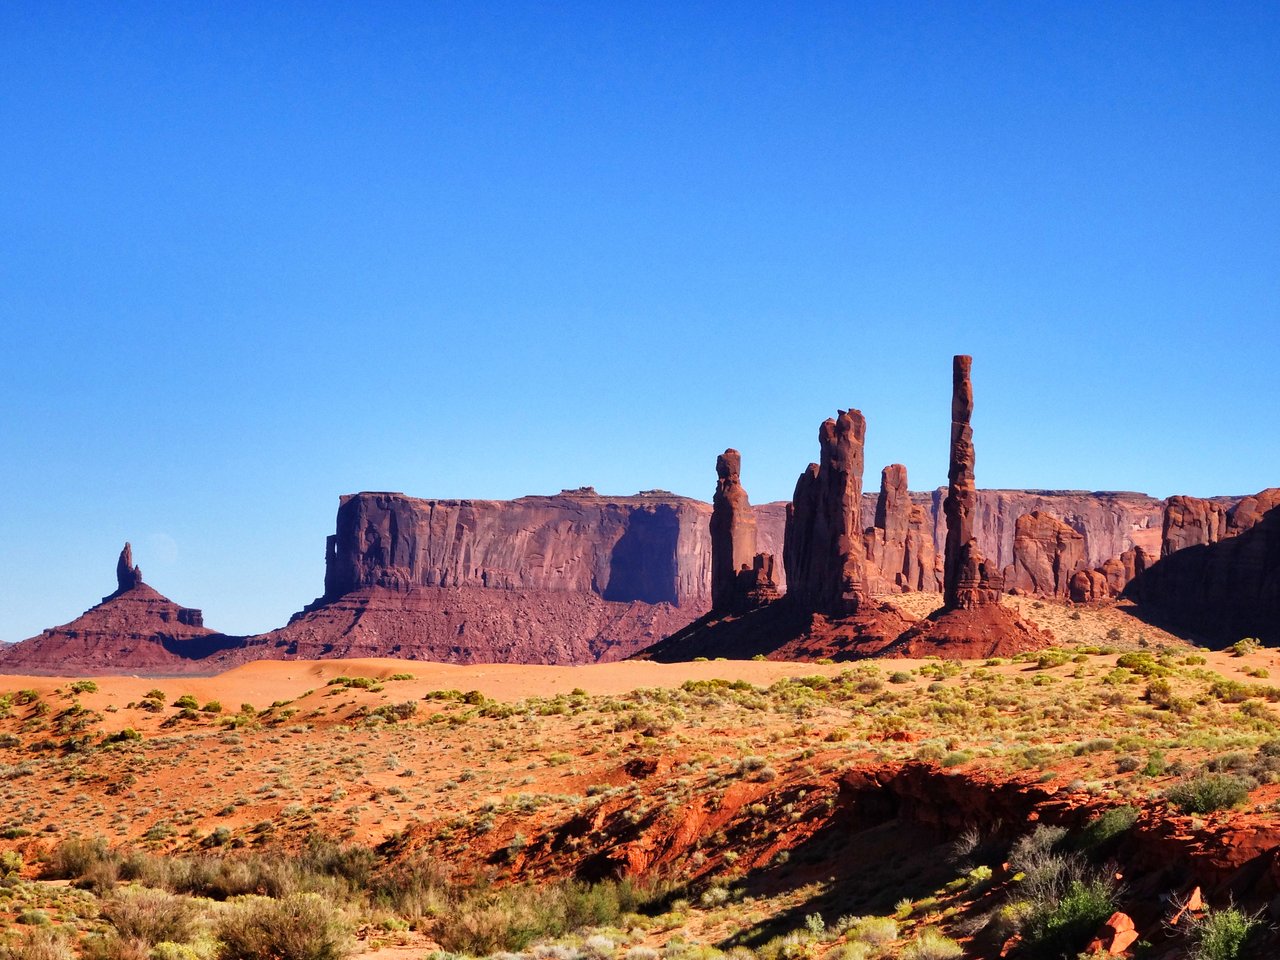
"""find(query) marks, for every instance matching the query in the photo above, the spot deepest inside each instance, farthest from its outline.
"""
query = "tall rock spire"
(733, 531)
(967, 580)
(127, 575)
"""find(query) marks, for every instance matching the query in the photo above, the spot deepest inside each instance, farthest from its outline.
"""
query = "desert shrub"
(1061, 927)
(1242, 648)
(1142, 663)
(415, 888)
(1052, 658)
(932, 945)
(1030, 851)
(187, 702)
(1228, 691)
(1106, 828)
(39, 944)
(1222, 934)
(153, 916)
(874, 930)
(1209, 792)
(393, 712)
(84, 686)
(72, 858)
(213, 706)
(513, 917)
(299, 927)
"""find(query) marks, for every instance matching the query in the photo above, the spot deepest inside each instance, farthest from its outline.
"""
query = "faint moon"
(161, 549)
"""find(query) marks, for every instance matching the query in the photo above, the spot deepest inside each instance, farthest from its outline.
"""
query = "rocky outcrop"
(887, 538)
(828, 610)
(1110, 521)
(134, 630)
(1109, 580)
(1189, 522)
(823, 551)
(1046, 555)
(733, 530)
(1089, 586)
(1220, 590)
(899, 543)
(1250, 511)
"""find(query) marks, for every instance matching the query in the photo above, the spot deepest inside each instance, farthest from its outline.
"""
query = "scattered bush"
(1106, 828)
(1222, 934)
(1061, 927)
(932, 945)
(153, 916)
(39, 944)
(299, 927)
(1209, 792)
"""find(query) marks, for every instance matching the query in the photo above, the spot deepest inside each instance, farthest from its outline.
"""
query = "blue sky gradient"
(254, 259)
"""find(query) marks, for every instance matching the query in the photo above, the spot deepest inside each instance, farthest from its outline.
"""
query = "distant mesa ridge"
(580, 576)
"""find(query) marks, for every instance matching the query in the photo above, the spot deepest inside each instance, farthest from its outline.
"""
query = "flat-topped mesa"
(128, 576)
(968, 580)
(1189, 522)
(1047, 554)
(733, 531)
(824, 553)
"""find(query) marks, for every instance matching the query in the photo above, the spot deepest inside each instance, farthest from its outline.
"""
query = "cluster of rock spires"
(836, 569)
(580, 577)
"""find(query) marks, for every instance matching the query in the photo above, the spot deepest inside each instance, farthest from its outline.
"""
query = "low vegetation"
(381, 811)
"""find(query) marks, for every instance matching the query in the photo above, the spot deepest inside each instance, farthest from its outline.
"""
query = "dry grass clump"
(301, 926)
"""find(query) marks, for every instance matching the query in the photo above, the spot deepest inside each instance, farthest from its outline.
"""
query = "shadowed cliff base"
(787, 631)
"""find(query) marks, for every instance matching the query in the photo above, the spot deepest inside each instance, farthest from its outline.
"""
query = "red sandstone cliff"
(653, 547)
(1225, 585)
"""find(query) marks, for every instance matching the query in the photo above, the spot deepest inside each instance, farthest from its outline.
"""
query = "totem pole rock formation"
(823, 552)
(972, 622)
(1047, 554)
(968, 580)
(128, 576)
(740, 578)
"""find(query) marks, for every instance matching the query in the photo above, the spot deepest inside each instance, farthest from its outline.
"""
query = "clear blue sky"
(256, 256)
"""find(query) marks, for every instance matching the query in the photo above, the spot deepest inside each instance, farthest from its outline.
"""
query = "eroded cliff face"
(652, 547)
(1224, 585)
